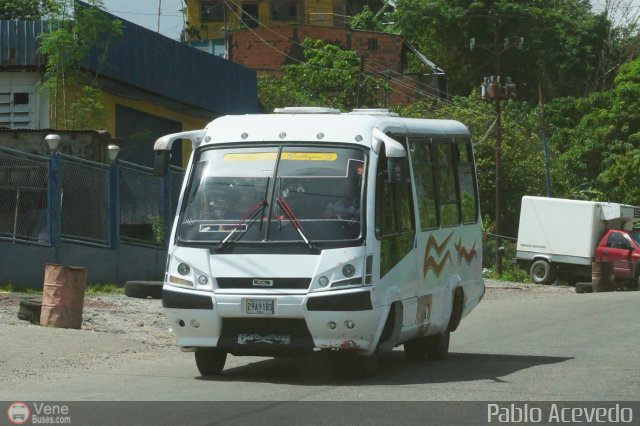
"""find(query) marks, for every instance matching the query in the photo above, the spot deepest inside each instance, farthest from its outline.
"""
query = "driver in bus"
(348, 206)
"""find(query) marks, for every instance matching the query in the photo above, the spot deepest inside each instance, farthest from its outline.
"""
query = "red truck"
(622, 249)
(562, 238)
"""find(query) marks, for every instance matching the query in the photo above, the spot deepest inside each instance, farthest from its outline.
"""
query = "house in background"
(264, 35)
(150, 86)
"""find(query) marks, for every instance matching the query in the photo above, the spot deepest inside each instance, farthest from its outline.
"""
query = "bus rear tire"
(210, 361)
(438, 346)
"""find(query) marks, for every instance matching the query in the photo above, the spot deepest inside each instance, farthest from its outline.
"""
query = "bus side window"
(394, 221)
(447, 183)
(466, 182)
(423, 169)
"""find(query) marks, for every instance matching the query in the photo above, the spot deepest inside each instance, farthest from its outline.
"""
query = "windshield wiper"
(292, 218)
(249, 216)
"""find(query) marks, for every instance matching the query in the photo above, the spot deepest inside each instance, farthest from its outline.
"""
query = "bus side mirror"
(162, 148)
(161, 162)
(392, 148)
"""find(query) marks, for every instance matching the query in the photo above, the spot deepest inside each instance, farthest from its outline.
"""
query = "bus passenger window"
(423, 168)
(394, 220)
(448, 191)
(466, 181)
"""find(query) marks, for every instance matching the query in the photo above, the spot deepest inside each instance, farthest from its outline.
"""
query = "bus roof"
(323, 125)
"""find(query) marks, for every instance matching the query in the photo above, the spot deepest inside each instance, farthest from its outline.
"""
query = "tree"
(563, 42)
(600, 141)
(329, 77)
(73, 91)
(25, 9)
(368, 20)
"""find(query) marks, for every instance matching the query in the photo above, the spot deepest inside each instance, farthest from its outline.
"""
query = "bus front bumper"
(337, 320)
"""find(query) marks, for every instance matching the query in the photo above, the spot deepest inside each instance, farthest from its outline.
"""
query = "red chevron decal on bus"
(429, 261)
(463, 253)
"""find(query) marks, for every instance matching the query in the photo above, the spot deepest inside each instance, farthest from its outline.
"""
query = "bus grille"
(265, 283)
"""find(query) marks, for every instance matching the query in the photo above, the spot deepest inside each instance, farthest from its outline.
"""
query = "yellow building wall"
(319, 12)
(316, 12)
(188, 123)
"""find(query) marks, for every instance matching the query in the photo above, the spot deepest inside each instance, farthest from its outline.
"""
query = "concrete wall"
(23, 265)
(88, 145)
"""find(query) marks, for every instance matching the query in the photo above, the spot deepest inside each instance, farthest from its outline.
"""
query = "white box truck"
(561, 238)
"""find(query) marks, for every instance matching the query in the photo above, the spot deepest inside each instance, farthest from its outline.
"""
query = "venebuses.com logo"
(18, 413)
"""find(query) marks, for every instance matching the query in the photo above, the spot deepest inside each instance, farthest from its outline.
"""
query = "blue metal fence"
(45, 200)
(23, 196)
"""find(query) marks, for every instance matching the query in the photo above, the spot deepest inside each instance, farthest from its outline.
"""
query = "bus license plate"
(259, 306)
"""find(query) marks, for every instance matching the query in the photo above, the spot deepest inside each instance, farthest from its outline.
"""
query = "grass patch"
(104, 289)
(513, 275)
(92, 289)
(10, 288)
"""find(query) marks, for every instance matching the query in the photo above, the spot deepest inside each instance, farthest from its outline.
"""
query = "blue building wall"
(150, 62)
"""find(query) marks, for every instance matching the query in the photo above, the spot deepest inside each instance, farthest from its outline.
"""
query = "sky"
(145, 13)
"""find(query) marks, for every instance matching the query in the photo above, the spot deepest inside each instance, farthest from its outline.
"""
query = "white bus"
(314, 230)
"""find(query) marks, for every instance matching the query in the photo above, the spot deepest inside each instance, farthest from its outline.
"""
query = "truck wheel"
(210, 361)
(541, 272)
(438, 346)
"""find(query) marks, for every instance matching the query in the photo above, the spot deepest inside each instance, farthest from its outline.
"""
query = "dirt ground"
(117, 327)
(143, 320)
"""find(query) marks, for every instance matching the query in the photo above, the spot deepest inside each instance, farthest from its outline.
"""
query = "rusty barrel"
(602, 278)
(63, 296)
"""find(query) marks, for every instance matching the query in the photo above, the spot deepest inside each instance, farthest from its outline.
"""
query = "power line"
(396, 80)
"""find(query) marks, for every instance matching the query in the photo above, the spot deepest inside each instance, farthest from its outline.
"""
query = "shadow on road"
(394, 369)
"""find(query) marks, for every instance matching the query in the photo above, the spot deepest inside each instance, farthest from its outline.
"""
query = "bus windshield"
(306, 194)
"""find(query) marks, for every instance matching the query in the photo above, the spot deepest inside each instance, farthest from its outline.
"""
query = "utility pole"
(159, 13)
(494, 89)
(544, 141)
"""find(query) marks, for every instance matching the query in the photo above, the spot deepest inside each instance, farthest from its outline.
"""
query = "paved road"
(543, 347)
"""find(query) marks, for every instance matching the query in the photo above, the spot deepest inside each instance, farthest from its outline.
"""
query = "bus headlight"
(323, 281)
(203, 280)
(348, 270)
(184, 269)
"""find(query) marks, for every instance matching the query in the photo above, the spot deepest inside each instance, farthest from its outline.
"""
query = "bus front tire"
(438, 346)
(416, 349)
(210, 361)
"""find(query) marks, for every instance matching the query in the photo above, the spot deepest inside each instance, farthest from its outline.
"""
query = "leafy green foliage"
(73, 91)
(565, 44)
(158, 227)
(26, 9)
(329, 77)
(598, 141)
(510, 270)
(368, 20)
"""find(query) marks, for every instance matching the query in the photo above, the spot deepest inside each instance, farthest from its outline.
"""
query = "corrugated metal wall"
(18, 43)
(149, 61)
(153, 62)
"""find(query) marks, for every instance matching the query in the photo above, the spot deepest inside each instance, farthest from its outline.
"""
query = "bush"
(510, 270)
